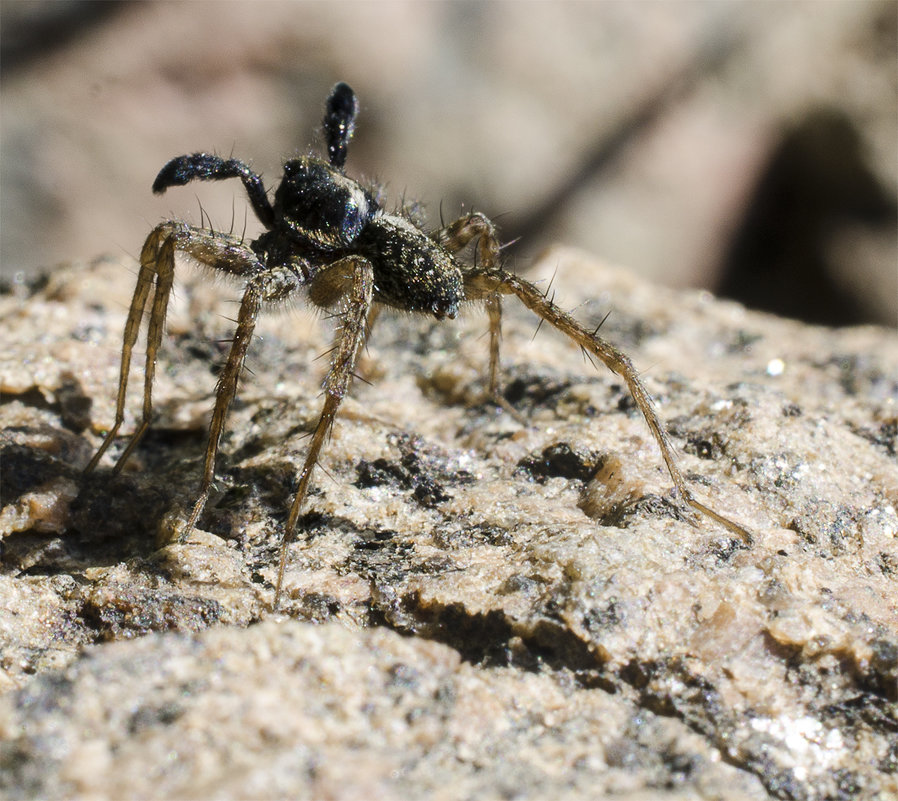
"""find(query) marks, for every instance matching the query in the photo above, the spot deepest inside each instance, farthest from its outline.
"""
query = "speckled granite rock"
(569, 631)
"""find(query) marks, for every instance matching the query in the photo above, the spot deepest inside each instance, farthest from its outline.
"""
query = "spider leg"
(348, 344)
(146, 277)
(157, 267)
(275, 284)
(165, 276)
(484, 283)
(373, 317)
(454, 237)
(493, 303)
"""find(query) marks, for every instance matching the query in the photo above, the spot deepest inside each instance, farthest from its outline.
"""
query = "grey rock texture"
(475, 608)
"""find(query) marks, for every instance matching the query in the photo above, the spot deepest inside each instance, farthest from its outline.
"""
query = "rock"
(474, 607)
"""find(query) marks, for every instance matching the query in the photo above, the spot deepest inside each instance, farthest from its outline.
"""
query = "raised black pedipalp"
(207, 167)
(339, 123)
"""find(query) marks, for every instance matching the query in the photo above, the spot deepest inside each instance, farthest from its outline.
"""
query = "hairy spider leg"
(454, 237)
(157, 268)
(157, 272)
(489, 284)
(276, 283)
(349, 341)
(484, 283)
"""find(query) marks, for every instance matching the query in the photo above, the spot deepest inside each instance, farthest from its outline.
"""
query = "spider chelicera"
(328, 235)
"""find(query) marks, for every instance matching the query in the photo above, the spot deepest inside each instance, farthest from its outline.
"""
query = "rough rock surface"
(474, 608)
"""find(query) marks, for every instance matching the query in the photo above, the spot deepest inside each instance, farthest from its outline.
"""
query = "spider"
(328, 235)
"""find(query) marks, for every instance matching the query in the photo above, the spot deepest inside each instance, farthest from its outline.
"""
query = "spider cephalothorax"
(327, 234)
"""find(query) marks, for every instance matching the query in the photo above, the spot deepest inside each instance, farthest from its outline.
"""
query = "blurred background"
(747, 148)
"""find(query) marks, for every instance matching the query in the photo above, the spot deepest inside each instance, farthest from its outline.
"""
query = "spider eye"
(445, 307)
(319, 206)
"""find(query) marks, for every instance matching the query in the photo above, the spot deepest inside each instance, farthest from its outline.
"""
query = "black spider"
(328, 235)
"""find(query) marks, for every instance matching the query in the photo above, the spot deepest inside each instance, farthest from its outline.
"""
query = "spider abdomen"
(411, 270)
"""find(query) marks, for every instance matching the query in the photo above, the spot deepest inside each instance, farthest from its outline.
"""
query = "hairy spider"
(328, 235)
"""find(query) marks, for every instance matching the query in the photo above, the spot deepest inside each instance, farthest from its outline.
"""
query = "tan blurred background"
(750, 148)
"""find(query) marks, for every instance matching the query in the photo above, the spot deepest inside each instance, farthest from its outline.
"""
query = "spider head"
(316, 205)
